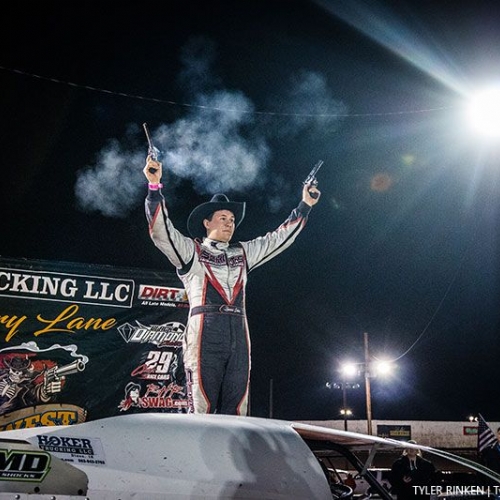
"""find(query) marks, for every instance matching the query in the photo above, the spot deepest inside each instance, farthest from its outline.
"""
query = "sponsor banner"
(398, 432)
(470, 430)
(81, 342)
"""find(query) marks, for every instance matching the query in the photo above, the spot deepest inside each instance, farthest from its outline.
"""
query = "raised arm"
(178, 248)
(264, 248)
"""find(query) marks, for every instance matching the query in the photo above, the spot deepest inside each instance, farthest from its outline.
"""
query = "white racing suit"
(216, 347)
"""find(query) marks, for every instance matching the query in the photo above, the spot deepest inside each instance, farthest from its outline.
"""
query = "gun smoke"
(218, 146)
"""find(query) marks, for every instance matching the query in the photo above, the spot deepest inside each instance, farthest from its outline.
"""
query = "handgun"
(53, 378)
(61, 371)
(311, 178)
(153, 152)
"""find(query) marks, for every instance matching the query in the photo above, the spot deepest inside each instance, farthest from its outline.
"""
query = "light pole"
(369, 369)
(367, 385)
(344, 411)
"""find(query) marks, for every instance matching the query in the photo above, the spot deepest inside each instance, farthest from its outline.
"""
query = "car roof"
(355, 441)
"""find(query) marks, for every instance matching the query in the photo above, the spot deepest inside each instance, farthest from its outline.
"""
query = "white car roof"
(174, 456)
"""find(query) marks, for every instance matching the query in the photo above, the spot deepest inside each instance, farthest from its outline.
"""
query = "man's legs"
(216, 352)
(235, 385)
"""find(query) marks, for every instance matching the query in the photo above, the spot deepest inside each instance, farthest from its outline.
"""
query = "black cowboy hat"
(205, 210)
(19, 363)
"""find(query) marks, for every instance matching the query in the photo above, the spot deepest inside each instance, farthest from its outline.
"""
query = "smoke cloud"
(218, 145)
(210, 147)
(310, 106)
(115, 168)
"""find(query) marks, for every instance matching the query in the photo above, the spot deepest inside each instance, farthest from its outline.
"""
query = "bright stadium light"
(383, 368)
(350, 369)
(371, 368)
(483, 111)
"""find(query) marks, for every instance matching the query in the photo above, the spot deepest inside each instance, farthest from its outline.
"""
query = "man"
(216, 347)
(411, 470)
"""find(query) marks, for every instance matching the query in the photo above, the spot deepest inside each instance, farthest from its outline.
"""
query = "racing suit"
(216, 345)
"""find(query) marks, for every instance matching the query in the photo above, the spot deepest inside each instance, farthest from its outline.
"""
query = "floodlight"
(484, 112)
(383, 368)
(349, 369)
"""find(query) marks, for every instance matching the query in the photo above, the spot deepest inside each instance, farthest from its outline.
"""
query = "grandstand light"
(371, 368)
(350, 369)
(383, 368)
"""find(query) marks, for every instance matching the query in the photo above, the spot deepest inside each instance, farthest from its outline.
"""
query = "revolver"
(53, 377)
(153, 151)
(311, 178)
(56, 372)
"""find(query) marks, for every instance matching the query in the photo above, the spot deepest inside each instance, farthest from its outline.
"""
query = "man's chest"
(232, 259)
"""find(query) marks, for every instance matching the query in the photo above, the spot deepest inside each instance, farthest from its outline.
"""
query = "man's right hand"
(152, 170)
(307, 197)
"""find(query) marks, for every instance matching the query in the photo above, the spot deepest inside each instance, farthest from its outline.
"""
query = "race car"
(156, 456)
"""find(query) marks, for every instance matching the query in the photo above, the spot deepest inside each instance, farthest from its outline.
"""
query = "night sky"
(244, 97)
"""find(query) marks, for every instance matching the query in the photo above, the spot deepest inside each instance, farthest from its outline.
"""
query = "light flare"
(483, 112)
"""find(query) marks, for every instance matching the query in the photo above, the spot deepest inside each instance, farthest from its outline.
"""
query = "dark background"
(404, 242)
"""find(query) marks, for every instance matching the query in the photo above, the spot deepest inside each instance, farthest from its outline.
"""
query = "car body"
(177, 456)
(362, 486)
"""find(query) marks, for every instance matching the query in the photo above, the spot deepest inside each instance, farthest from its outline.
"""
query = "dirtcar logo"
(162, 294)
(168, 334)
(23, 465)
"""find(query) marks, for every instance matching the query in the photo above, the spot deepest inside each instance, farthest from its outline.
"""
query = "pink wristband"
(155, 187)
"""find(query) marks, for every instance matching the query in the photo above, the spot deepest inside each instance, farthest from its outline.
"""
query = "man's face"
(221, 226)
